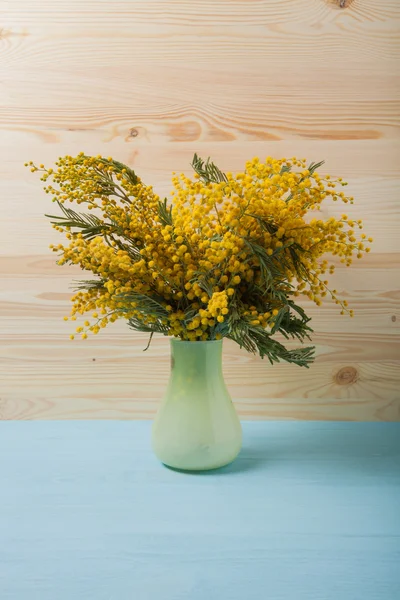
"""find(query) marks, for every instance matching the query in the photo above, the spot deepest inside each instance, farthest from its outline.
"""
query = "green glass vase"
(196, 427)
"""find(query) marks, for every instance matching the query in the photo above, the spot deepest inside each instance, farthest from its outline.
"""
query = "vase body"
(196, 427)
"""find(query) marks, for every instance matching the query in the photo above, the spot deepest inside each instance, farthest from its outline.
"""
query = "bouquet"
(227, 256)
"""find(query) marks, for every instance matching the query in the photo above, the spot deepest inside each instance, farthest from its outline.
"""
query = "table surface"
(308, 511)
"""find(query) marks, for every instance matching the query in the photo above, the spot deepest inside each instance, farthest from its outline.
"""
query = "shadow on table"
(340, 447)
(240, 465)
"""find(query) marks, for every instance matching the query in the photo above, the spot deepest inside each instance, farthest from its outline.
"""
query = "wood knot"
(340, 3)
(346, 376)
(133, 132)
(394, 318)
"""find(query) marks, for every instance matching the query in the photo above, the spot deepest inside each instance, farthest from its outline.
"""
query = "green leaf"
(89, 223)
(146, 305)
(207, 170)
(256, 340)
(278, 319)
(90, 284)
(165, 212)
(268, 226)
(314, 166)
(157, 327)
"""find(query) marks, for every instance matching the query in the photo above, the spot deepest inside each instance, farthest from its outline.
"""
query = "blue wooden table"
(308, 511)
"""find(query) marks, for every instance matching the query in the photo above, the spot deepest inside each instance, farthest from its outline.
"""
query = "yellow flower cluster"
(238, 246)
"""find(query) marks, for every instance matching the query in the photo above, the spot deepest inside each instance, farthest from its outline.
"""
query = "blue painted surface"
(308, 511)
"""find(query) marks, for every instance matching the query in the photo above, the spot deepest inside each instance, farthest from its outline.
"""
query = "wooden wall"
(151, 82)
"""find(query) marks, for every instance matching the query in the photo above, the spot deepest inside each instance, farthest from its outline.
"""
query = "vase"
(196, 427)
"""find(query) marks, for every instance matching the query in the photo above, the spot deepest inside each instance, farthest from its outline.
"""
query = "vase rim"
(178, 340)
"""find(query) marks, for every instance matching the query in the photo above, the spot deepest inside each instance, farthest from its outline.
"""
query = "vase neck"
(196, 359)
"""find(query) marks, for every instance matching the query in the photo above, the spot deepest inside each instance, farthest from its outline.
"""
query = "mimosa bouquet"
(228, 256)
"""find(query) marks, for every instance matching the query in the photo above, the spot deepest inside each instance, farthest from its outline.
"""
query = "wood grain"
(151, 83)
(317, 500)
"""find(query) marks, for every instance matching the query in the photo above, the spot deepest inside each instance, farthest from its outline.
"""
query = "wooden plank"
(253, 43)
(38, 294)
(151, 83)
(370, 159)
(45, 377)
(307, 511)
(26, 230)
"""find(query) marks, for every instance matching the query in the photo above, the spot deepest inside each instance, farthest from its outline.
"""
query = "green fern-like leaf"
(146, 305)
(207, 170)
(257, 340)
(165, 212)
